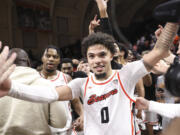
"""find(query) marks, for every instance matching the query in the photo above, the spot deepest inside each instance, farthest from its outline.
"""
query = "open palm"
(6, 68)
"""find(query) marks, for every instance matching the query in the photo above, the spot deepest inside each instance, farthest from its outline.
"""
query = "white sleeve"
(76, 86)
(131, 73)
(58, 117)
(58, 114)
(34, 93)
(167, 110)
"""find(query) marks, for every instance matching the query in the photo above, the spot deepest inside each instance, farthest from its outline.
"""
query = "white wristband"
(33, 93)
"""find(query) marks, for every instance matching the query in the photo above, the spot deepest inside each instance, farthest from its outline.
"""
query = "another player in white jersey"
(107, 99)
(51, 60)
(59, 80)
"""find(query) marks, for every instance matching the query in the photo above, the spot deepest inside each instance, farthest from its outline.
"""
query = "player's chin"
(50, 69)
(100, 75)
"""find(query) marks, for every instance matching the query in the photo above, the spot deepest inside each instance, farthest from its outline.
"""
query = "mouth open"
(99, 68)
(50, 65)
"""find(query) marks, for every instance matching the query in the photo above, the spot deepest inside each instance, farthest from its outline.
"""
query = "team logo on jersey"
(93, 98)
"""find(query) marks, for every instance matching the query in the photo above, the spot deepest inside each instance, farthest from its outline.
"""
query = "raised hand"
(6, 68)
(102, 6)
(158, 31)
(93, 24)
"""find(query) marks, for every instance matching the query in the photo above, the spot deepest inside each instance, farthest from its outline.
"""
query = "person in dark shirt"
(66, 66)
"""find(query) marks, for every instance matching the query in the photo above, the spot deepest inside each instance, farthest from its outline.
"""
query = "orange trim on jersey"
(124, 89)
(103, 82)
(64, 78)
(138, 132)
(56, 77)
(132, 125)
(74, 131)
(86, 86)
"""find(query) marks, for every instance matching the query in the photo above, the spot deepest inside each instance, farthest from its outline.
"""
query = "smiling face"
(99, 59)
(51, 60)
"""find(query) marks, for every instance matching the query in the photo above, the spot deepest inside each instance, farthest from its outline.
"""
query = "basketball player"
(51, 60)
(107, 93)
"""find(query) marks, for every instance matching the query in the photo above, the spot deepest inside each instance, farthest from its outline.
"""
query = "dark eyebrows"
(103, 52)
(54, 55)
(100, 53)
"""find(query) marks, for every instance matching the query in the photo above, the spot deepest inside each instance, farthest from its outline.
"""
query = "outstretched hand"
(6, 68)
(141, 103)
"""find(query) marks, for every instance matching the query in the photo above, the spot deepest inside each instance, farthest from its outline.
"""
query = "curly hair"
(98, 38)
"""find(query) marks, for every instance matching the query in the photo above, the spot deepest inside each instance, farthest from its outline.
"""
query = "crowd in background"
(152, 86)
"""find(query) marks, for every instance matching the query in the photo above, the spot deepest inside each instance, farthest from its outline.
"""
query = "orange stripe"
(132, 125)
(86, 86)
(74, 131)
(104, 82)
(64, 78)
(56, 77)
(124, 89)
(138, 132)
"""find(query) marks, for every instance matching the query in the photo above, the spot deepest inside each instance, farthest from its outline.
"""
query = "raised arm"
(170, 58)
(102, 6)
(162, 46)
(103, 22)
(93, 24)
(105, 25)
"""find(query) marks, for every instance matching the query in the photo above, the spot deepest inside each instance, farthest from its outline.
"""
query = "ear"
(112, 56)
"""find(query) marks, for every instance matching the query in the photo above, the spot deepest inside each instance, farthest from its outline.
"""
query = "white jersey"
(59, 80)
(108, 104)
